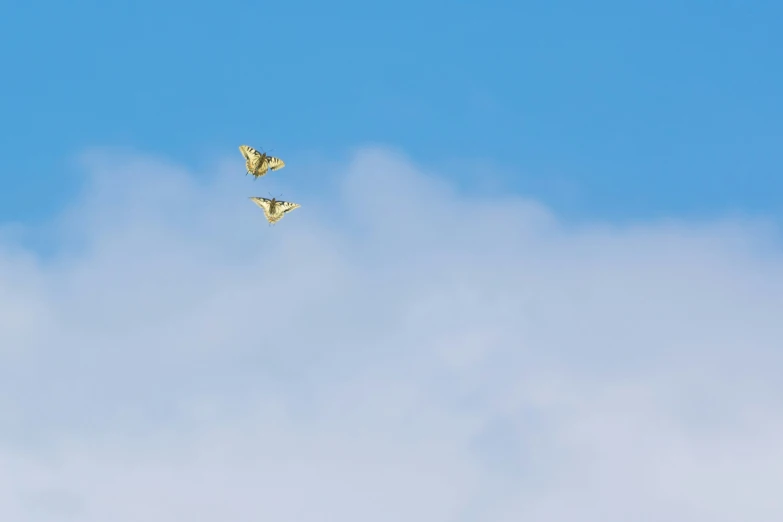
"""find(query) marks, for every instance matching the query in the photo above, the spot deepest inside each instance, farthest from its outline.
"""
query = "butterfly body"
(274, 209)
(258, 163)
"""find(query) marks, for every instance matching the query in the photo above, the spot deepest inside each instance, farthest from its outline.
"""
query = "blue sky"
(605, 109)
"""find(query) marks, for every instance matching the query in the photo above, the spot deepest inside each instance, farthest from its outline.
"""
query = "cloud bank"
(393, 350)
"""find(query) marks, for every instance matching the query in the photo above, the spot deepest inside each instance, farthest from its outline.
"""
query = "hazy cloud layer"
(393, 350)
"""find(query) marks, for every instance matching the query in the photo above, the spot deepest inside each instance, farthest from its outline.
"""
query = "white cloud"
(393, 350)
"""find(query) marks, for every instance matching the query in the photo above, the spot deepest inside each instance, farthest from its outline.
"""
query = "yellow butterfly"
(274, 209)
(258, 163)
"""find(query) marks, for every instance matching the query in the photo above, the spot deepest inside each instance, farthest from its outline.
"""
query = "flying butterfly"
(274, 209)
(257, 163)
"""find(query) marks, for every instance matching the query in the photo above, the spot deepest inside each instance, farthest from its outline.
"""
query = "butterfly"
(258, 163)
(274, 209)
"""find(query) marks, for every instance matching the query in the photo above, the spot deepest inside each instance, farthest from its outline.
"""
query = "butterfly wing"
(274, 218)
(254, 160)
(287, 206)
(266, 206)
(280, 208)
(246, 151)
(274, 163)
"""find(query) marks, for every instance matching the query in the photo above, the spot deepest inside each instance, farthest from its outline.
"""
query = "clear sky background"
(536, 275)
(604, 109)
